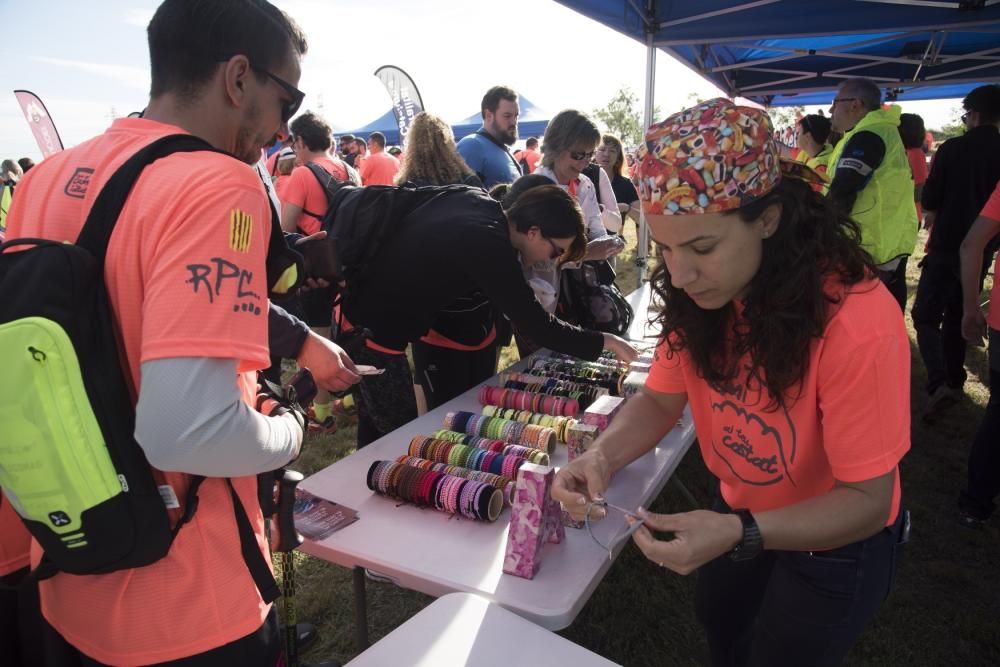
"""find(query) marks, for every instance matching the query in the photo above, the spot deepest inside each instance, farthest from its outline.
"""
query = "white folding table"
(463, 630)
(437, 553)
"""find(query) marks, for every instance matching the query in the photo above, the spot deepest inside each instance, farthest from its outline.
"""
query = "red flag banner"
(40, 122)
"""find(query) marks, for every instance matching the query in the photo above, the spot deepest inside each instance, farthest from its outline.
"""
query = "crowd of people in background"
(783, 257)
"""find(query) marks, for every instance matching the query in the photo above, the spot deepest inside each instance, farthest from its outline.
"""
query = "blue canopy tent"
(790, 52)
(783, 52)
(386, 124)
(531, 122)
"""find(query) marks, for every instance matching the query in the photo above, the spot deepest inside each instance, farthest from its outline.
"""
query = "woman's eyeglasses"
(557, 252)
(580, 155)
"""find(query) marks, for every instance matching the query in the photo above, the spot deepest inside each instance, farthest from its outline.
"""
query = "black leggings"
(444, 373)
(385, 402)
(795, 608)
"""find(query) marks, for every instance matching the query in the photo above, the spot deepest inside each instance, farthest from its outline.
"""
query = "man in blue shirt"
(486, 151)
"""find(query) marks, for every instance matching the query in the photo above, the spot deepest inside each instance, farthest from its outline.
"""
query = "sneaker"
(940, 399)
(971, 522)
(326, 427)
(343, 408)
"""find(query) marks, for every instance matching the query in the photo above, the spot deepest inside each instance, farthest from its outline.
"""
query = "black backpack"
(69, 462)
(590, 298)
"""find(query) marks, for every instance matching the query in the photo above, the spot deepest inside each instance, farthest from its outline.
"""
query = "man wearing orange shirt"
(379, 168)
(189, 297)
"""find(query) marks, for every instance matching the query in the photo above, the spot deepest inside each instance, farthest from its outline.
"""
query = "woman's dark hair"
(786, 306)
(551, 209)
(816, 126)
(313, 130)
(911, 130)
(188, 40)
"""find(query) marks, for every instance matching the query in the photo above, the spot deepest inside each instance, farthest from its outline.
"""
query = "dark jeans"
(795, 608)
(444, 373)
(937, 318)
(984, 458)
(895, 282)
(262, 648)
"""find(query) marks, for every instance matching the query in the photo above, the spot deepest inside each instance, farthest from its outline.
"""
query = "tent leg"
(643, 250)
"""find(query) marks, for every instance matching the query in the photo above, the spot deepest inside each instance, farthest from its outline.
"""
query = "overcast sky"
(88, 60)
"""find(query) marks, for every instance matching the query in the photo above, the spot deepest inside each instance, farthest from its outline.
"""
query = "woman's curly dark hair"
(787, 303)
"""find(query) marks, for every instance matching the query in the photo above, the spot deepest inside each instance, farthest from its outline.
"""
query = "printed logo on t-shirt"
(78, 183)
(240, 230)
(757, 445)
(220, 278)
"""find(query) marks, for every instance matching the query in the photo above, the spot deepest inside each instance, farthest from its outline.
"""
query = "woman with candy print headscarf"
(795, 363)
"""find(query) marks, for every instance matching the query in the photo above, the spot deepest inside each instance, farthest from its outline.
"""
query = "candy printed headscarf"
(711, 158)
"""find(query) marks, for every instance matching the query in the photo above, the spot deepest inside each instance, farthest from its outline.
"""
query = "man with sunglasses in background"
(871, 179)
(486, 152)
(964, 174)
(186, 279)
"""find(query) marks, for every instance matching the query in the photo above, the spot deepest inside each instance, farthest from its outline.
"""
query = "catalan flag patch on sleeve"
(240, 230)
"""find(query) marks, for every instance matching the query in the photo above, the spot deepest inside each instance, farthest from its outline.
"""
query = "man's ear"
(235, 73)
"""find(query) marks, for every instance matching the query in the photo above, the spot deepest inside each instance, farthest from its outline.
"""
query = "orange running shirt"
(992, 211)
(186, 277)
(15, 540)
(851, 422)
(532, 157)
(379, 169)
(301, 188)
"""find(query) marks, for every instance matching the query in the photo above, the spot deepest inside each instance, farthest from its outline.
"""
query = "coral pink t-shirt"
(992, 211)
(379, 169)
(186, 277)
(15, 540)
(850, 423)
(301, 188)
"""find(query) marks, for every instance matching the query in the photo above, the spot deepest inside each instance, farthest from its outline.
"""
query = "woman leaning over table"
(795, 362)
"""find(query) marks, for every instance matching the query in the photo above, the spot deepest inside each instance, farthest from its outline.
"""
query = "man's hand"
(699, 537)
(331, 368)
(974, 326)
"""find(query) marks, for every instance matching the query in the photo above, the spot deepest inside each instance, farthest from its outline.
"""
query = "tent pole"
(647, 120)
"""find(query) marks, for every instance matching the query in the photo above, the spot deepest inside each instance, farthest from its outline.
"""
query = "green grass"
(945, 609)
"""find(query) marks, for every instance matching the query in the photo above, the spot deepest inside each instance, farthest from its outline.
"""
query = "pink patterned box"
(534, 520)
(602, 411)
(579, 438)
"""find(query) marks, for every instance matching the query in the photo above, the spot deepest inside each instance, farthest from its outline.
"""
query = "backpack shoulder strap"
(103, 216)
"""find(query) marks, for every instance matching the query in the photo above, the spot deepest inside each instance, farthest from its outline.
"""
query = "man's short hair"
(345, 138)
(532, 142)
(491, 100)
(188, 40)
(313, 130)
(864, 90)
(985, 100)
(26, 163)
(377, 138)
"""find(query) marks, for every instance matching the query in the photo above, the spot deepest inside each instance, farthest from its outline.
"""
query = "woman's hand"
(620, 347)
(603, 248)
(974, 326)
(699, 537)
(581, 482)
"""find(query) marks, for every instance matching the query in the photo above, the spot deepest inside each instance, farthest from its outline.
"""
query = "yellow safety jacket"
(884, 209)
